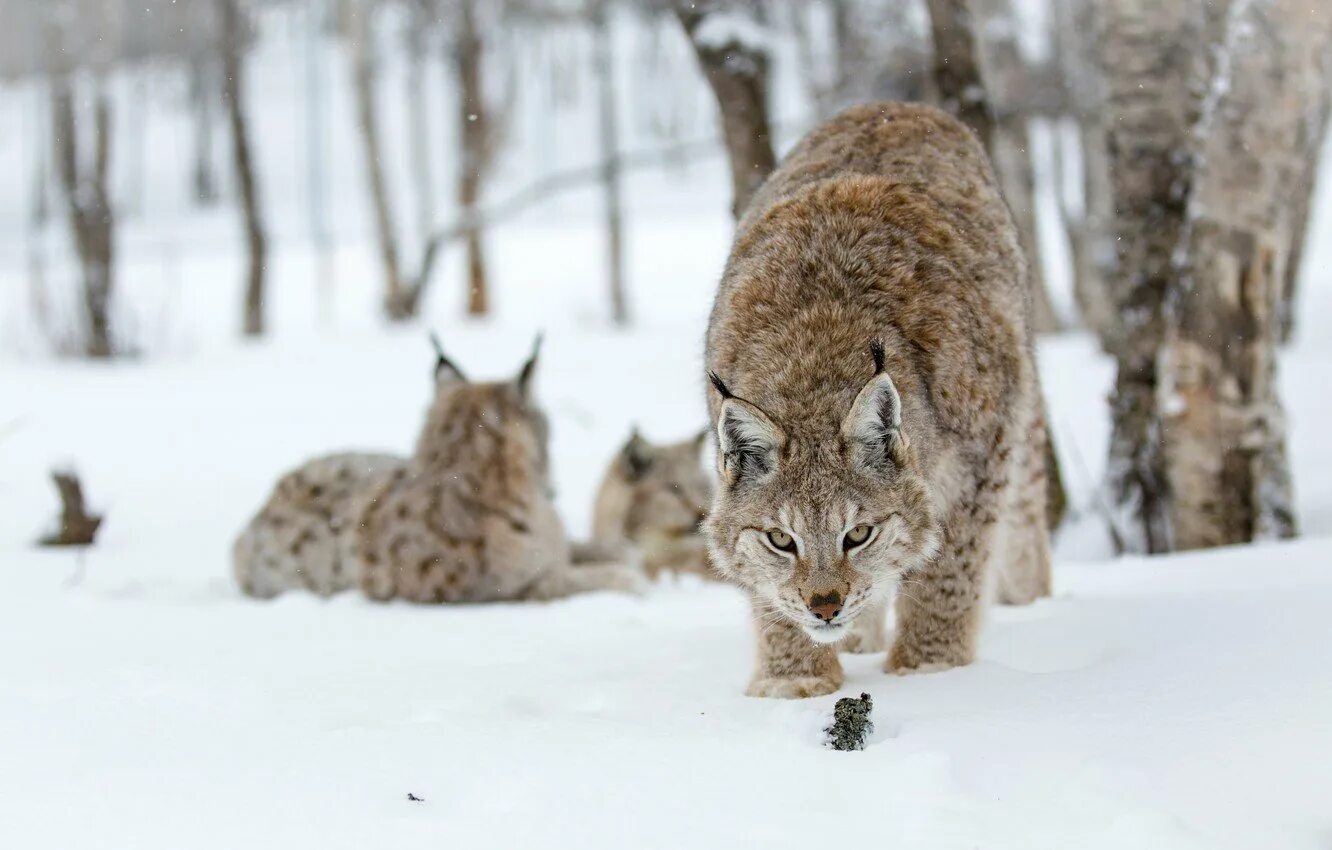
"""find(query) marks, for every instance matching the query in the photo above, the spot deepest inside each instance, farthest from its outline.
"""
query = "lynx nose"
(826, 606)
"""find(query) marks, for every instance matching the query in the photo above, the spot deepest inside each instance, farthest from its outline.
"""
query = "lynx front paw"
(905, 661)
(798, 687)
(864, 642)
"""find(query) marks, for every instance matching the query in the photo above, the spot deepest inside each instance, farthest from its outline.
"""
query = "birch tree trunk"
(397, 303)
(880, 54)
(1007, 83)
(1087, 216)
(475, 146)
(91, 218)
(610, 162)
(418, 127)
(202, 92)
(957, 68)
(1153, 63)
(1222, 426)
(232, 35)
(1310, 135)
(727, 36)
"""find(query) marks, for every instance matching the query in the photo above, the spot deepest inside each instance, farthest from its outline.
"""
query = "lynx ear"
(747, 440)
(873, 428)
(445, 369)
(637, 456)
(524, 379)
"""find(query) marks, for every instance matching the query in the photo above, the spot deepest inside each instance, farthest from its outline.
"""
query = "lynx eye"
(856, 537)
(781, 540)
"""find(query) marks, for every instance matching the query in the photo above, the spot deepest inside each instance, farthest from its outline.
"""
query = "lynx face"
(662, 491)
(820, 526)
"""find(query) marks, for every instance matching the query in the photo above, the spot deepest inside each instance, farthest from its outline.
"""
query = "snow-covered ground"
(1178, 702)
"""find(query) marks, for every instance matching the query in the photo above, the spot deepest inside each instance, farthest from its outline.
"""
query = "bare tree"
(610, 161)
(1222, 430)
(957, 68)
(232, 36)
(1310, 133)
(91, 218)
(1007, 82)
(727, 36)
(1207, 134)
(418, 105)
(202, 93)
(882, 54)
(1086, 206)
(403, 291)
(477, 142)
(1153, 65)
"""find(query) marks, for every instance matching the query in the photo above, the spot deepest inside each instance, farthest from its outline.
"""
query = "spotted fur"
(467, 517)
(872, 331)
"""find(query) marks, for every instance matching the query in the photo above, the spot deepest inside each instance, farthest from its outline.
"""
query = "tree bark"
(736, 68)
(1154, 64)
(418, 127)
(232, 24)
(201, 102)
(1006, 82)
(475, 146)
(92, 221)
(880, 55)
(1088, 219)
(1310, 135)
(610, 161)
(1222, 427)
(398, 303)
(957, 69)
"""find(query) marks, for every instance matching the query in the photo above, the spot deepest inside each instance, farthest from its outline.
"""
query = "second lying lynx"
(467, 518)
(652, 501)
(875, 400)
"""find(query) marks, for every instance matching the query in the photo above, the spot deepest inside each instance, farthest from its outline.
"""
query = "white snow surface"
(1178, 702)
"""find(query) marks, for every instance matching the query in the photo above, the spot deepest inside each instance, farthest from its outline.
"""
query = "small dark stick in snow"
(851, 723)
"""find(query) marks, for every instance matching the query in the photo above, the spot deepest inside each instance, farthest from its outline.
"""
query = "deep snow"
(1177, 702)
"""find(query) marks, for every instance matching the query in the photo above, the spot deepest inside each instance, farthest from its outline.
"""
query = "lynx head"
(653, 491)
(485, 422)
(819, 525)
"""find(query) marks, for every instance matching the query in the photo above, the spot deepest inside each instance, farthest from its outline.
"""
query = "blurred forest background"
(171, 160)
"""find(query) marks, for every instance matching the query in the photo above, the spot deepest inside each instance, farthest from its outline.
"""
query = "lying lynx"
(467, 518)
(652, 501)
(875, 401)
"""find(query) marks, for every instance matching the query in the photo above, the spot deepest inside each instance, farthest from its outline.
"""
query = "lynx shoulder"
(875, 400)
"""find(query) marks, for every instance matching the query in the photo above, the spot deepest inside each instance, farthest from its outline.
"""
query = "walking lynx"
(875, 400)
(467, 518)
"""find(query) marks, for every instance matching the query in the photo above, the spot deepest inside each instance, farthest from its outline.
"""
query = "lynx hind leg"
(789, 664)
(559, 582)
(299, 539)
(868, 634)
(1022, 573)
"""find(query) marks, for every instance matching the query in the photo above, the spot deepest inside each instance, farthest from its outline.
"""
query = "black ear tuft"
(525, 374)
(719, 385)
(442, 362)
(876, 350)
(637, 457)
